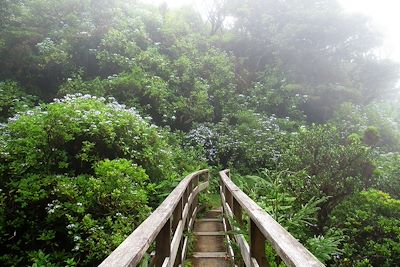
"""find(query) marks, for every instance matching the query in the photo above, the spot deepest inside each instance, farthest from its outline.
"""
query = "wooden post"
(191, 208)
(237, 211)
(190, 186)
(177, 215)
(185, 197)
(193, 184)
(196, 200)
(163, 244)
(178, 259)
(229, 198)
(257, 245)
(185, 201)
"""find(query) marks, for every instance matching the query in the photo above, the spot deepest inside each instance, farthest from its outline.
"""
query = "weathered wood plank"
(254, 262)
(244, 249)
(228, 240)
(163, 243)
(240, 240)
(191, 222)
(209, 233)
(228, 212)
(237, 211)
(184, 248)
(165, 263)
(177, 215)
(209, 255)
(176, 240)
(230, 248)
(209, 220)
(185, 242)
(257, 245)
(291, 251)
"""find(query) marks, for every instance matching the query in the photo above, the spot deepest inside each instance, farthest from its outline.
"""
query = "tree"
(216, 14)
(328, 165)
(328, 53)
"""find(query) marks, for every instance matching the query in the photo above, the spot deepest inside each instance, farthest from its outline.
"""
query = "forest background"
(105, 105)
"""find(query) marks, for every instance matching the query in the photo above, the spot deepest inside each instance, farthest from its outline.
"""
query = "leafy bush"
(378, 117)
(325, 165)
(135, 88)
(273, 94)
(70, 135)
(387, 173)
(13, 99)
(246, 140)
(326, 247)
(370, 223)
(269, 192)
(78, 218)
(78, 175)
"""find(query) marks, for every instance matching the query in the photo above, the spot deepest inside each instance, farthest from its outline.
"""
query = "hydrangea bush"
(13, 99)
(77, 176)
(247, 141)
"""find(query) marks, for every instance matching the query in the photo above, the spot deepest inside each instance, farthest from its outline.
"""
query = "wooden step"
(209, 220)
(210, 255)
(211, 262)
(210, 243)
(209, 233)
(206, 226)
(217, 209)
(217, 213)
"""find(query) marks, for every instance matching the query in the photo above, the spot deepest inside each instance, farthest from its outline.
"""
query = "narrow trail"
(210, 247)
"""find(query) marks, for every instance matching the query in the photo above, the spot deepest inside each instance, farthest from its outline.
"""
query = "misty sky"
(383, 12)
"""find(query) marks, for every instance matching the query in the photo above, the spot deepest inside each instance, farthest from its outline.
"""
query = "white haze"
(384, 14)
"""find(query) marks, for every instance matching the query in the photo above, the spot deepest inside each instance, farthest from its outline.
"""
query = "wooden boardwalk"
(161, 240)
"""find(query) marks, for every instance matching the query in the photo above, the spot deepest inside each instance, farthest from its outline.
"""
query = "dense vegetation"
(105, 105)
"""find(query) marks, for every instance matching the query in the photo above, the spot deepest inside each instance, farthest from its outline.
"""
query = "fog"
(383, 14)
(106, 105)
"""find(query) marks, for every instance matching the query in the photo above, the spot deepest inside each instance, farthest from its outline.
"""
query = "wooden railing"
(262, 228)
(165, 227)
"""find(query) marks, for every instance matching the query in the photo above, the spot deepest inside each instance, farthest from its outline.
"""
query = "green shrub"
(76, 179)
(70, 135)
(81, 218)
(13, 99)
(370, 223)
(270, 193)
(325, 164)
(387, 173)
(246, 141)
(377, 122)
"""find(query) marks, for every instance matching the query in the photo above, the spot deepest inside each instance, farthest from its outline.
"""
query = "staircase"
(160, 240)
(210, 246)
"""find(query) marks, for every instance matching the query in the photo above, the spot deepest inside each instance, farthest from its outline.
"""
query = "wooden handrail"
(262, 227)
(165, 226)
